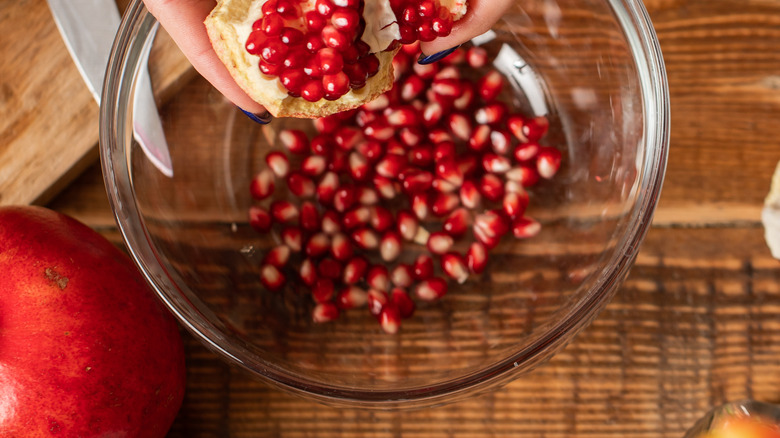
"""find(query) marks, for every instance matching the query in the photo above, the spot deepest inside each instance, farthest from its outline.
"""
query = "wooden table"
(696, 324)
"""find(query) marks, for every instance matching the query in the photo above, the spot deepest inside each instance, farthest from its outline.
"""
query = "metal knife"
(89, 28)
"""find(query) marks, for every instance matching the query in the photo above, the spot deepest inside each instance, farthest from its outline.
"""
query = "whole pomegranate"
(86, 350)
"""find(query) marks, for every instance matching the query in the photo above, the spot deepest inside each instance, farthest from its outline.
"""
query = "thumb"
(480, 16)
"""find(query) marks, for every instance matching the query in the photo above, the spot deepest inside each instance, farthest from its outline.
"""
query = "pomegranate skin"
(86, 349)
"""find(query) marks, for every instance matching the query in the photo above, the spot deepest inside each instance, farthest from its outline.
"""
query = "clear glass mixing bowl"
(595, 69)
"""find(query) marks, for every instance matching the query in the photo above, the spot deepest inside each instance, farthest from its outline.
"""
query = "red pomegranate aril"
(278, 163)
(441, 26)
(341, 247)
(357, 75)
(327, 187)
(314, 165)
(425, 71)
(408, 33)
(301, 185)
(379, 130)
(447, 169)
(495, 163)
(262, 185)
(324, 312)
(491, 114)
(294, 141)
(444, 203)
(367, 196)
(329, 60)
(351, 297)
(354, 270)
(313, 91)
(322, 144)
(272, 278)
(344, 199)
(381, 218)
(272, 24)
(285, 212)
(488, 241)
(402, 275)
(421, 156)
(422, 269)
(466, 98)
(365, 238)
(491, 223)
(268, 7)
(514, 204)
(412, 87)
(420, 205)
(457, 223)
(335, 38)
(454, 265)
(469, 195)
(425, 31)
(384, 186)
(329, 268)
(391, 166)
(480, 137)
(432, 113)
(269, 69)
(277, 256)
(548, 161)
(371, 149)
(356, 217)
(403, 116)
(526, 152)
(468, 163)
(501, 142)
(447, 87)
(255, 42)
(308, 272)
(310, 217)
(525, 227)
(273, 50)
(259, 219)
(390, 318)
(443, 186)
(364, 117)
(348, 137)
(431, 289)
(323, 7)
(448, 72)
(335, 85)
(390, 246)
(330, 222)
(525, 174)
(287, 9)
(476, 257)
(395, 147)
(535, 128)
(490, 85)
(378, 278)
(416, 180)
(491, 187)
(314, 43)
(323, 290)
(376, 300)
(370, 64)
(516, 124)
(440, 242)
(345, 19)
(400, 298)
(293, 237)
(377, 104)
(407, 225)
(444, 151)
(359, 168)
(291, 36)
(476, 57)
(318, 244)
(460, 125)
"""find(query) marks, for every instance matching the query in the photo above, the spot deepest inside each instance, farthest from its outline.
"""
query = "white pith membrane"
(230, 24)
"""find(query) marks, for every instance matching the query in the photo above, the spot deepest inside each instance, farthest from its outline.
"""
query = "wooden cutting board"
(48, 119)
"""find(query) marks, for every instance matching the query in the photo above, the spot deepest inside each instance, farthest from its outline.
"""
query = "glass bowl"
(592, 67)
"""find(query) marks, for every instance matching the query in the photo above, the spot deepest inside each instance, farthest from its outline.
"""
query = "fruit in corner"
(743, 426)
(312, 58)
(86, 349)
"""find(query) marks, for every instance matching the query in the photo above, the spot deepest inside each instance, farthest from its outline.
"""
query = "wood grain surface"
(696, 324)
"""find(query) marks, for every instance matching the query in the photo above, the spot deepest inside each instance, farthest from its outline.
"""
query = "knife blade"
(88, 28)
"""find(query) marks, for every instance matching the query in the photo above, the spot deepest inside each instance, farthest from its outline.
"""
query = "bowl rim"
(138, 23)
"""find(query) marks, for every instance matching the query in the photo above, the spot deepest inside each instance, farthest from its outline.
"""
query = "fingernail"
(436, 56)
(263, 119)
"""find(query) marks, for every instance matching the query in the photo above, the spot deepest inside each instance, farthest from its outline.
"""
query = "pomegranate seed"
(425, 71)
(323, 290)
(354, 270)
(376, 300)
(330, 222)
(347, 137)
(293, 80)
(447, 169)
(490, 85)
(440, 242)
(466, 98)
(358, 167)
(420, 205)
(259, 219)
(401, 299)
(273, 50)
(351, 297)
(345, 19)
(423, 267)
(277, 256)
(377, 104)
(488, 241)
(431, 289)
(460, 125)
(468, 164)
(314, 165)
(476, 57)
(384, 186)
(367, 196)
(341, 247)
(403, 116)
(391, 166)
(443, 186)
(402, 275)
(476, 257)
(431, 114)
(308, 272)
(416, 180)
(272, 278)
(535, 128)
(294, 141)
(516, 125)
(322, 145)
(526, 152)
(447, 87)
(312, 90)
(438, 136)
(326, 189)
(335, 85)
(379, 130)
(293, 237)
(324, 312)
(318, 245)
(371, 149)
(480, 137)
(491, 223)
(412, 87)
(285, 212)
(335, 38)
(301, 185)
(381, 218)
(329, 268)
(326, 125)
(444, 203)
(407, 225)
(515, 203)
(501, 142)
(390, 246)
(457, 223)
(395, 147)
(548, 161)
(254, 42)
(390, 318)
(526, 227)
(454, 265)
(365, 238)
(278, 163)
(524, 174)
(378, 278)
(491, 114)
(410, 136)
(262, 185)
(469, 195)
(356, 217)
(494, 163)
(344, 199)
(491, 187)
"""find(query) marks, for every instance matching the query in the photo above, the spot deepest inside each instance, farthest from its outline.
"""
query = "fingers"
(480, 17)
(183, 20)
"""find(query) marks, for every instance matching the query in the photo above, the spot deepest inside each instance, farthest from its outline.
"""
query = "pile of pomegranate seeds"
(319, 53)
(437, 167)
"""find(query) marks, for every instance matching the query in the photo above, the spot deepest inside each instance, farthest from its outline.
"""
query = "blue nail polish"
(262, 119)
(430, 59)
